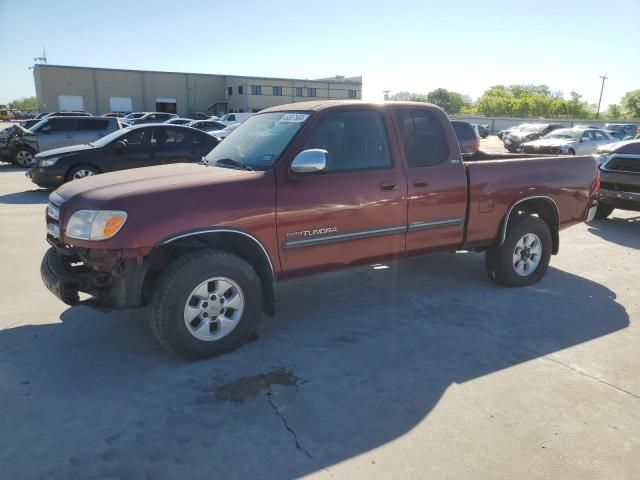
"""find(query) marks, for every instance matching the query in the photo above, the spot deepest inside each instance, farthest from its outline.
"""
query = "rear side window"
(354, 140)
(425, 143)
(137, 137)
(600, 136)
(176, 137)
(464, 130)
(62, 124)
(629, 149)
(92, 124)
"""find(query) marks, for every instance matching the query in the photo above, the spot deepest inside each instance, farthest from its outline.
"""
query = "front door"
(135, 152)
(353, 212)
(436, 179)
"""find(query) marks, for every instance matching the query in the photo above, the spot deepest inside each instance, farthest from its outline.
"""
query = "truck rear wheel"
(524, 256)
(207, 302)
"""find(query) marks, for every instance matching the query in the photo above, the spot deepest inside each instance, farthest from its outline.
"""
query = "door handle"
(388, 186)
(420, 183)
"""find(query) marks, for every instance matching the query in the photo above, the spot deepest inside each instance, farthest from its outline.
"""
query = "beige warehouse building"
(103, 90)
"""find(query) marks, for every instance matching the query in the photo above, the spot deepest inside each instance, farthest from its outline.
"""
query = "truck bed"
(495, 184)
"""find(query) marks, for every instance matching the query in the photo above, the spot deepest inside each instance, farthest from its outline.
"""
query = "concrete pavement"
(424, 369)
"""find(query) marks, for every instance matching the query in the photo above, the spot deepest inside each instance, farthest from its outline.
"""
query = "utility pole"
(603, 77)
(386, 94)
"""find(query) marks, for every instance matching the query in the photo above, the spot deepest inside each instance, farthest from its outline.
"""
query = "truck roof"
(322, 104)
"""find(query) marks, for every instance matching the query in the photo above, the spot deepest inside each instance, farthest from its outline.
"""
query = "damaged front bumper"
(113, 281)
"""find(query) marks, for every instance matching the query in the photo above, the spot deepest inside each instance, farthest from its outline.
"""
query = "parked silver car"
(56, 132)
(569, 141)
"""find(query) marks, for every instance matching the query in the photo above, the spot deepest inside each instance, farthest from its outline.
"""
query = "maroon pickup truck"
(297, 189)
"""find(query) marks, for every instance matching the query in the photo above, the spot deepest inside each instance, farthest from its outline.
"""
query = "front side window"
(424, 140)
(311, 92)
(260, 140)
(277, 91)
(588, 136)
(600, 136)
(92, 124)
(256, 90)
(62, 124)
(354, 140)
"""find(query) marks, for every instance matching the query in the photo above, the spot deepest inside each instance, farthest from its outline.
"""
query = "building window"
(229, 90)
(240, 90)
(256, 89)
(353, 94)
(298, 91)
(277, 91)
(311, 92)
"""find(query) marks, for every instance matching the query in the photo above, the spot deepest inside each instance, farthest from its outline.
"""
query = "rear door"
(353, 212)
(90, 129)
(437, 182)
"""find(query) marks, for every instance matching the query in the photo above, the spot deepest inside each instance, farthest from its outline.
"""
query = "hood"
(549, 142)
(165, 200)
(56, 152)
(159, 179)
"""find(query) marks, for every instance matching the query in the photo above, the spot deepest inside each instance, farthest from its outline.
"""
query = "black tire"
(80, 168)
(571, 151)
(173, 288)
(603, 211)
(499, 259)
(20, 156)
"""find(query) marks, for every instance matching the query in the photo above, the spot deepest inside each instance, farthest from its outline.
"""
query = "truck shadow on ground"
(372, 349)
(24, 198)
(624, 231)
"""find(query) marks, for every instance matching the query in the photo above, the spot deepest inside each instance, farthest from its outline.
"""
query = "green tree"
(450, 102)
(614, 112)
(631, 103)
(24, 104)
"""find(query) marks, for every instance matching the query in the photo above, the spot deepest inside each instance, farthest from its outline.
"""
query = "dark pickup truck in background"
(297, 189)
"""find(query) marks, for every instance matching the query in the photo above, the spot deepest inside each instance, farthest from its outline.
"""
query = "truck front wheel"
(524, 256)
(207, 302)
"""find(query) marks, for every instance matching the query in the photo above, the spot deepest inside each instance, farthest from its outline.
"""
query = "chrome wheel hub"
(214, 308)
(24, 158)
(527, 254)
(82, 173)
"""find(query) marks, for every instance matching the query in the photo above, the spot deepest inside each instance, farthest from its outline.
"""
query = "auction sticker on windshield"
(294, 117)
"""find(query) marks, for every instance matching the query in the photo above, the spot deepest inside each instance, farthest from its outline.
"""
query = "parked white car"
(220, 134)
(569, 141)
(231, 118)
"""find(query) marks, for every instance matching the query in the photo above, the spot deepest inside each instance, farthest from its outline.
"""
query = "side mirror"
(120, 146)
(310, 161)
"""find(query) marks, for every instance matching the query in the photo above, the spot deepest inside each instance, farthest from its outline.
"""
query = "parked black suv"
(620, 178)
(131, 147)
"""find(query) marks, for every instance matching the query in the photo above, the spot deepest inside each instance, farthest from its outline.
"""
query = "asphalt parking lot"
(424, 369)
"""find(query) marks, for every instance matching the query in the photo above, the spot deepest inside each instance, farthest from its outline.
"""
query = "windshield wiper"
(230, 162)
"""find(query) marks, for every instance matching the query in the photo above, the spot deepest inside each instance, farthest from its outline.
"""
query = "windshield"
(101, 142)
(39, 125)
(260, 140)
(565, 133)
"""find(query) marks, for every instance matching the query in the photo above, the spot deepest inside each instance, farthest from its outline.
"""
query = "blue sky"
(465, 46)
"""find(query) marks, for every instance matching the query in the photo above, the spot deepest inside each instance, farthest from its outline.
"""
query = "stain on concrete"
(247, 388)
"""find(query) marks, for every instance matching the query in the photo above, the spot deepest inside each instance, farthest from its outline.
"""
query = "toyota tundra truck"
(294, 190)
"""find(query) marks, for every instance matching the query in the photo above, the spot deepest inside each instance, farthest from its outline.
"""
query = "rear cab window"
(424, 140)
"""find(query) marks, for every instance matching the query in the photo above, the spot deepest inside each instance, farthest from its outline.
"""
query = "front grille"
(52, 216)
(620, 187)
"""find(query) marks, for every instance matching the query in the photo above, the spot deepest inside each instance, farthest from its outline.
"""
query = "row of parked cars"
(21, 142)
(556, 138)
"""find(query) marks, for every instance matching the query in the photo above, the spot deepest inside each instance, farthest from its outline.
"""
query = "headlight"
(47, 162)
(95, 224)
